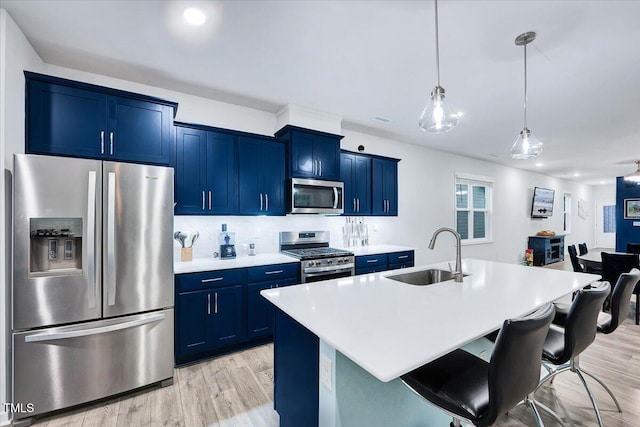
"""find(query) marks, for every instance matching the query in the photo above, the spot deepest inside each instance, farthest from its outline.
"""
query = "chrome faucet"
(432, 244)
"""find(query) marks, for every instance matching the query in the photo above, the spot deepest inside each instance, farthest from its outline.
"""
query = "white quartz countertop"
(390, 328)
(212, 264)
(377, 249)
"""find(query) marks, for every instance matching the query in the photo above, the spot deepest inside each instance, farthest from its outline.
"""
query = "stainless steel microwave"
(313, 196)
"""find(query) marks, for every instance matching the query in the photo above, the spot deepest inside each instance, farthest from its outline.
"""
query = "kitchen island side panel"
(296, 353)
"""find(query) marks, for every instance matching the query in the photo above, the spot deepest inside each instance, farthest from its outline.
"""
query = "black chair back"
(514, 370)
(582, 248)
(620, 299)
(582, 320)
(613, 265)
(633, 248)
(574, 259)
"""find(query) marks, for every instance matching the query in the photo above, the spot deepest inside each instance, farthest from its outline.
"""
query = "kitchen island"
(341, 345)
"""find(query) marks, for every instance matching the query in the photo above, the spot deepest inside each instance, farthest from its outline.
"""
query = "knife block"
(186, 254)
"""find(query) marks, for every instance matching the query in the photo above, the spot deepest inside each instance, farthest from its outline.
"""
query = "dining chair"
(477, 392)
(573, 255)
(633, 248)
(582, 248)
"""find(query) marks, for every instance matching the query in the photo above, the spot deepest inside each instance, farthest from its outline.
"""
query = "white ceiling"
(360, 59)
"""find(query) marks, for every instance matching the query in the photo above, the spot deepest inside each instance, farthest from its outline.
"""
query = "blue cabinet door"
(273, 177)
(193, 323)
(302, 161)
(250, 197)
(221, 174)
(227, 315)
(384, 187)
(261, 177)
(347, 176)
(326, 152)
(260, 312)
(62, 120)
(139, 131)
(355, 172)
(191, 171)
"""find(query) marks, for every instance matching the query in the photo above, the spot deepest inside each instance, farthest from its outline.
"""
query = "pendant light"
(526, 146)
(634, 176)
(436, 117)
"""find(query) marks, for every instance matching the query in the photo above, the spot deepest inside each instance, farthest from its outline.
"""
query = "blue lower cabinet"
(227, 315)
(222, 311)
(193, 323)
(382, 262)
(371, 263)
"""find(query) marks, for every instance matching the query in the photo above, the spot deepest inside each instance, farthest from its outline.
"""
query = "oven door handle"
(323, 270)
(335, 198)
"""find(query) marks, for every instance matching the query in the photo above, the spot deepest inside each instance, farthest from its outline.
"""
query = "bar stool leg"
(590, 393)
(530, 403)
(549, 411)
(604, 386)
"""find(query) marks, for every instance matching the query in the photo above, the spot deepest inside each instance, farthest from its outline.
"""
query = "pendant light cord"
(437, 46)
(525, 85)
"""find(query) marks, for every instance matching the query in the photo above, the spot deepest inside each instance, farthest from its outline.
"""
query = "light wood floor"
(237, 390)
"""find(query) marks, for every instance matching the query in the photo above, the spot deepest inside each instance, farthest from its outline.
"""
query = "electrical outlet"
(325, 371)
(483, 355)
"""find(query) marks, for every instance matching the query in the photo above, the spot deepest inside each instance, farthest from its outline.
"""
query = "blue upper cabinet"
(311, 154)
(205, 171)
(385, 186)
(261, 176)
(76, 119)
(355, 172)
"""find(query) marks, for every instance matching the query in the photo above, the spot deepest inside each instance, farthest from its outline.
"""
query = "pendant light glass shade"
(634, 176)
(436, 116)
(526, 146)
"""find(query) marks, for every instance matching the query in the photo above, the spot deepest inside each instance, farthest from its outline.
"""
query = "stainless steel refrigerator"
(93, 280)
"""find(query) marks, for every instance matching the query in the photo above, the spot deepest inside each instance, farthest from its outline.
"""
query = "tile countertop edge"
(377, 249)
(329, 300)
(213, 264)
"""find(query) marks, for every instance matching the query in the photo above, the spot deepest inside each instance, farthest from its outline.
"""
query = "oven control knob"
(311, 263)
(329, 261)
(340, 261)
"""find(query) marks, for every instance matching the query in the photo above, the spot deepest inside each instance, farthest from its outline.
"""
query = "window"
(473, 208)
(566, 211)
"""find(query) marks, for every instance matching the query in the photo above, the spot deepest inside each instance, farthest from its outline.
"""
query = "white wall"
(16, 54)
(426, 180)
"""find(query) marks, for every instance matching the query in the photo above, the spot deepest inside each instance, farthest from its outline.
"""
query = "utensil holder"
(186, 254)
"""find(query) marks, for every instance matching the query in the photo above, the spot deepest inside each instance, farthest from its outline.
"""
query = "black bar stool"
(478, 392)
(563, 346)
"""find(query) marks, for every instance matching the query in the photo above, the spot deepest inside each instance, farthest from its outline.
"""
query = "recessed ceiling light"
(194, 16)
(539, 164)
(382, 119)
(576, 174)
(603, 182)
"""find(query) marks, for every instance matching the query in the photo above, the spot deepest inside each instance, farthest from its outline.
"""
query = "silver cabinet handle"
(354, 205)
(315, 167)
(91, 240)
(274, 272)
(260, 201)
(403, 256)
(111, 239)
(320, 167)
(266, 201)
(111, 143)
(358, 204)
(215, 307)
(208, 303)
(101, 142)
(372, 261)
(93, 331)
(209, 199)
(202, 199)
(215, 279)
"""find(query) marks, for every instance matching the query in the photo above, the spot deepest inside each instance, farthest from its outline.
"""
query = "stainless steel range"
(317, 260)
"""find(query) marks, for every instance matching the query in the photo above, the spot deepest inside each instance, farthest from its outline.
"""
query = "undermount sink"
(424, 277)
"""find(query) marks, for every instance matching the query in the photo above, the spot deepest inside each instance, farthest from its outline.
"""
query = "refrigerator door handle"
(111, 239)
(91, 240)
(94, 331)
